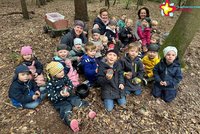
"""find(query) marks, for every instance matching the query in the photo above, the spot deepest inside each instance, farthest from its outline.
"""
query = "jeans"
(109, 103)
(136, 92)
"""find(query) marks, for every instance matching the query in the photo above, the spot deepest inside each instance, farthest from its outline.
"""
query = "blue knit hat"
(22, 68)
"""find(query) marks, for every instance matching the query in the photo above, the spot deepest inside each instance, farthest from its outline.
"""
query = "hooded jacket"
(110, 34)
(110, 88)
(68, 38)
(136, 67)
(144, 34)
(169, 73)
(20, 92)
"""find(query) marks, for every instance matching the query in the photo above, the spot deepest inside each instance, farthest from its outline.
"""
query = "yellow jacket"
(150, 64)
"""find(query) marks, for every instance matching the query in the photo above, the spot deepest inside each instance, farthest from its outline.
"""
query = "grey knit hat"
(170, 48)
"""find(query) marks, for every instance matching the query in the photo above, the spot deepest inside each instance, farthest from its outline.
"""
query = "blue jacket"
(21, 93)
(136, 67)
(89, 66)
(102, 26)
(169, 73)
(110, 88)
(68, 38)
(55, 85)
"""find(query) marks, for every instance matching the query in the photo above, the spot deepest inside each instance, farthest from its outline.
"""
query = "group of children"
(112, 61)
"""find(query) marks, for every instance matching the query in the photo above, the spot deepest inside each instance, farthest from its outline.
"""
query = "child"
(121, 23)
(154, 27)
(60, 93)
(88, 63)
(133, 69)
(62, 57)
(23, 91)
(77, 52)
(110, 78)
(35, 66)
(126, 33)
(97, 42)
(104, 40)
(167, 75)
(111, 31)
(150, 60)
(155, 39)
(144, 32)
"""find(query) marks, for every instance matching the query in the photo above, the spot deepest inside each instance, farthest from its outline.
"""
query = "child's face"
(123, 17)
(24, 76)
(152, 54)
(111, 58)
(133, 53)
(60, 75)
(63, 54)
(128, 24)
(91, 53)
(113, 27)
(27, 57)
(78, 47)
(96, 36)
(170, 57)
(144, 23)
(153, 41)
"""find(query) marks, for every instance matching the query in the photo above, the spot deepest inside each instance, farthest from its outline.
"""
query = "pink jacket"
(72, 74)
(144, 35)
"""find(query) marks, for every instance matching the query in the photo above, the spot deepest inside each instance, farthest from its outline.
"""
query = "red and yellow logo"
(167, 8)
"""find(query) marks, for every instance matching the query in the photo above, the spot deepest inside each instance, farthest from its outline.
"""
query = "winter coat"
(150, 64)
(123, 36)
(169, 73)
(35, 66)
(89, 67)
(21, 93)
(110, 34)
(102, 26)
(121, 24)
(110, 88)
(144, 34)
(58, 59)
(136, 67)
(55, 85)
(68, 38)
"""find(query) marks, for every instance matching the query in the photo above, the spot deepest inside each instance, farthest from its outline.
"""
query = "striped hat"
(53, 68)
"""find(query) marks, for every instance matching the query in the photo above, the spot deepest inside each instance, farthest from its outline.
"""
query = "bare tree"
(184, 30)
(81, 12)
(24, 9)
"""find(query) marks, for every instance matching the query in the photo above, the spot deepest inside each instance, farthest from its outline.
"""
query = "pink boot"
(74, 125)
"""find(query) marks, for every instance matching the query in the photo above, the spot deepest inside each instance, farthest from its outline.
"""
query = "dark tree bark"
(184, 30)
(81, 12)
(107, 3)
(24, 9)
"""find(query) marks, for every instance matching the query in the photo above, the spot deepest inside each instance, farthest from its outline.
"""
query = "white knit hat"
(170, 48)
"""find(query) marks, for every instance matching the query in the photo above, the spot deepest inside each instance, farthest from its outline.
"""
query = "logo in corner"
(167, 8)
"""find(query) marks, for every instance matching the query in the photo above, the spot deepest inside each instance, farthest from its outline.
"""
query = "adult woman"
(76, 32)
(142, 13)
(101, 21)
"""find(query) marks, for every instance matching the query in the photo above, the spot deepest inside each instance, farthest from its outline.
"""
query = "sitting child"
(144, 32)
(150, 60)
(62, 57)
(104, 40)
(89, 64)
(155, 39)
(121, 22)
(77, 52)
(97, 42)
(60, 93)
(35, 66)
(167, 75)
(23, 91)
(133, 69)
(111, 31)
(154, 27)
(126, 34)
(110, 78)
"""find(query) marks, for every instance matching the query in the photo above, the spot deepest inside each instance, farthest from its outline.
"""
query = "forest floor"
(145, 113)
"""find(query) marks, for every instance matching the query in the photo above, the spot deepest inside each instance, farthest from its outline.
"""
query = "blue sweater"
(89, 67)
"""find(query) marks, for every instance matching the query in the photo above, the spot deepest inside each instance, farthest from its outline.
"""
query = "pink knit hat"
(25, 50)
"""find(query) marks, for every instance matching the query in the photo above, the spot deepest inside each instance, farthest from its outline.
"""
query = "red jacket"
(144, 35)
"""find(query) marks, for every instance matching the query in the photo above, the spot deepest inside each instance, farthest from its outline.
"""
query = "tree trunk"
(24, 9)
(184, 30)
(81, 12)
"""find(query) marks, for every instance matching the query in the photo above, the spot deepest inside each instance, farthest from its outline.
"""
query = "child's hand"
(109, 76)
(35, 75)
(128, 75)
(64, 94)
(163, 83)
(35, 97)
(37, 93)
(121, 86)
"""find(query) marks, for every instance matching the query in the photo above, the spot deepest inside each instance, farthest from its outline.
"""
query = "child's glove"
(136, 80)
